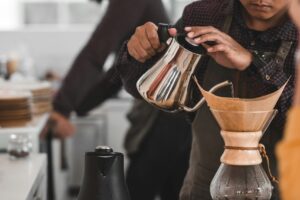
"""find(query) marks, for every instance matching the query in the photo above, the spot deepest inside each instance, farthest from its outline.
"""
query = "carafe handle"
(212, 90)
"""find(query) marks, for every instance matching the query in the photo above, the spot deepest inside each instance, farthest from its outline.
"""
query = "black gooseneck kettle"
(104, 176)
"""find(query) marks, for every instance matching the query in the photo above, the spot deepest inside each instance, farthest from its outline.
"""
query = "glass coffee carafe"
(241, 183)
(241, 175)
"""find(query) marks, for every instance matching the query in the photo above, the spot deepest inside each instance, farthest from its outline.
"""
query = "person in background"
(288, 150)
(158, 144)
(117, 24)
(253, 45)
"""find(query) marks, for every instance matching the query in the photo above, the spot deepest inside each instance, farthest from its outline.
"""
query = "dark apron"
(208, 145)
(141, 116)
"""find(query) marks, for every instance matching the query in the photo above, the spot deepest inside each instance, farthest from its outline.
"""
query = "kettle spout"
(212, 90)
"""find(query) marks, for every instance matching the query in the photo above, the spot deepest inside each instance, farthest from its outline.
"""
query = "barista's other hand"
(226, 52)
(144, 43)
(62, 126)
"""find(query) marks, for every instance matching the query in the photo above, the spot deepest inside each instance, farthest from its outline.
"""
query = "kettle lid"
(181, 38)
(190, 45)
(103, 150)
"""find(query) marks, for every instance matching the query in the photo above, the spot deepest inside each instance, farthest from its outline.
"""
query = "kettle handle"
(163, 33)
(212, 90)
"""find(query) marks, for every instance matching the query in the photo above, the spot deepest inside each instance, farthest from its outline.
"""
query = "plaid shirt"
(263, 79)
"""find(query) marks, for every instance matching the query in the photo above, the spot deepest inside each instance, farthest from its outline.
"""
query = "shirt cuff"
(61, 109)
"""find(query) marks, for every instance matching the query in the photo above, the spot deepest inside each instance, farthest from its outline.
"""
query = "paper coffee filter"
(239, 121)
(263, 103)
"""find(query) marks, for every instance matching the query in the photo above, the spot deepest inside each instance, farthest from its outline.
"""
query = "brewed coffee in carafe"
(241, 183)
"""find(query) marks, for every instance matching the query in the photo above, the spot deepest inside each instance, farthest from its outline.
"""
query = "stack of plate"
(41, 94)
(41, 98)
(15, 108)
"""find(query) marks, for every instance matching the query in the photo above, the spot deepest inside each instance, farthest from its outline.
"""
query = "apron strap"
(283, 52)
(229, 16)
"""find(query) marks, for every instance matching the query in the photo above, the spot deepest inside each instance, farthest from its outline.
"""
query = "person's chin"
(263, 13)
(263, 16)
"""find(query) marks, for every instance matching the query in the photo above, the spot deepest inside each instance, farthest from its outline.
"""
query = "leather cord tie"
(261, 148)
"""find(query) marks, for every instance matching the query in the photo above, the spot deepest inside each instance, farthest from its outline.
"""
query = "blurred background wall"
(37, 29)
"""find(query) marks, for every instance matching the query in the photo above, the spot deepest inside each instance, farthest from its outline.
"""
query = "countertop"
(19, 179)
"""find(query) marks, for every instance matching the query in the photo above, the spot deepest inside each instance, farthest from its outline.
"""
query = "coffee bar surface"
(23, 179)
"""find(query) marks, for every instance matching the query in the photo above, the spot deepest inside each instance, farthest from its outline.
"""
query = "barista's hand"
(227, 52)
(144, 43)
(62, 126)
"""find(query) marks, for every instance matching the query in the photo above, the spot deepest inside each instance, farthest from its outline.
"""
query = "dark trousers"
(160, 165)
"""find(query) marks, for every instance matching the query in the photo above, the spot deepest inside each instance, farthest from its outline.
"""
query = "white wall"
(50, 49)
(9, 14)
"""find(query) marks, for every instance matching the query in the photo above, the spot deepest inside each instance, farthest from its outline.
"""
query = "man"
(253, 46)
(156, 141)
(289, 148)
(117, 24)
